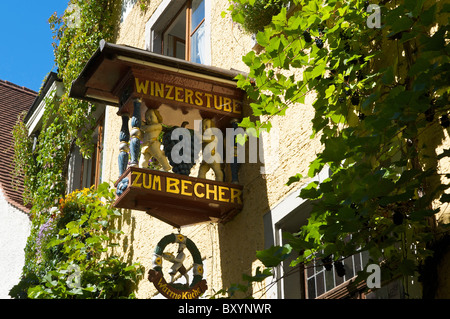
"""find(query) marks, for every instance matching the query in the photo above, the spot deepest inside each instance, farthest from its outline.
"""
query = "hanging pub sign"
(171, 290)
(180, 97)
(156, 95)
(177, 199)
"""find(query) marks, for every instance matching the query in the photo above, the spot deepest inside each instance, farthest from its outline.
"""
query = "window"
(180, 29)
(197, 31)
(86, 172)
(320, 281)
(174, 37)
(288, 216)
(98, 153)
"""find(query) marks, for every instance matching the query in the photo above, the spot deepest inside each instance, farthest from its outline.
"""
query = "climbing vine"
(77, 231)
(381, 111)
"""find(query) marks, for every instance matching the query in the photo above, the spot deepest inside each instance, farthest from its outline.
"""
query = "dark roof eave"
(52, 77)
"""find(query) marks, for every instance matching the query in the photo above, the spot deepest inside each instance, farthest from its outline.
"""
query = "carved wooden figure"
(151, 146)
(135, 145)
(177, 263)
(211, 157)
(124, 146)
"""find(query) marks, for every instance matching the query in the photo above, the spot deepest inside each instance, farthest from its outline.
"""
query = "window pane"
(174, 37)
(357, 259)
(348, 264)
(198, 45)
(310, 270)
(329, 280)
(339, 280)
(198, 13)
(320, 289)
(311, 288)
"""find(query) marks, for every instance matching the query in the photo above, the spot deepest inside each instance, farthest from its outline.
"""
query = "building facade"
(14, 214)
(227, 249)
(174, 64)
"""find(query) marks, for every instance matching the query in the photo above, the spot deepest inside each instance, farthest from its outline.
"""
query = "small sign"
(172, 290)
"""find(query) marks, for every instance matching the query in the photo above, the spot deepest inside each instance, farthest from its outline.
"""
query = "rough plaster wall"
(132, 30)
(443, 216)
(14, 231)
(228, 249)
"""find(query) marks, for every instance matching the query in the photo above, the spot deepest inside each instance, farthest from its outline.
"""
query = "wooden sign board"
(177, 199)
(171, 92)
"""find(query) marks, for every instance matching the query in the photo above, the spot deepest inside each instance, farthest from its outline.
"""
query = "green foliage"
(72, 259)
(381, 109)
(66, 122)
(73, 240)
(23, 156)
(256, 14)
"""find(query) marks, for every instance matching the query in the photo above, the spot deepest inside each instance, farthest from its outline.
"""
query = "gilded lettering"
(169, 95)
(178, 94)
(222, 193)
(210, 191)
(159, 89)
(152, 88)
(236, 107)
(184, 187)
(147, 182)
(136, 179)
(236, 196)
(198, 98)
(217, 102)
(156, 183)
(172, 185)
(208, 99)
(196, 192)
(227, 104)
(188, 94)
(141, 87)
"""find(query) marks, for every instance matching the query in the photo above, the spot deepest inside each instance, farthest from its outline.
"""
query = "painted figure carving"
(211, 157)
(177, 263)
(151, 146)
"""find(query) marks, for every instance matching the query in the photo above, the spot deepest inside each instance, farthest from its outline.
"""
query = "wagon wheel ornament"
(172, 290)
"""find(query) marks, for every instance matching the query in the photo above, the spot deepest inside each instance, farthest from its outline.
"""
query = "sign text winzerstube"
(192, 97)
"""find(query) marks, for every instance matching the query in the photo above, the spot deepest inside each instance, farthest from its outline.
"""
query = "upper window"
(197, 31)
(86, 172)
(180, 29)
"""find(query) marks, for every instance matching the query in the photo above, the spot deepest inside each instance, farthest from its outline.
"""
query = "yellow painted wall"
(228, 249)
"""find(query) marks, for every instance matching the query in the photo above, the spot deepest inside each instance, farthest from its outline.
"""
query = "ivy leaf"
(445, 198)
(259, 275)
(294, 179)
(274, 255)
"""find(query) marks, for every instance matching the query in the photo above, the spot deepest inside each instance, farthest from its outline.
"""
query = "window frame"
(165, 15)
(293, 210)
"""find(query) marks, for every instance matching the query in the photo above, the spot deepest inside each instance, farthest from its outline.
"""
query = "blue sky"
(26, 52)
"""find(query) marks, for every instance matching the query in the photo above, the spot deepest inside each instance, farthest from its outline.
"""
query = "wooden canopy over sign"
(182, 92)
